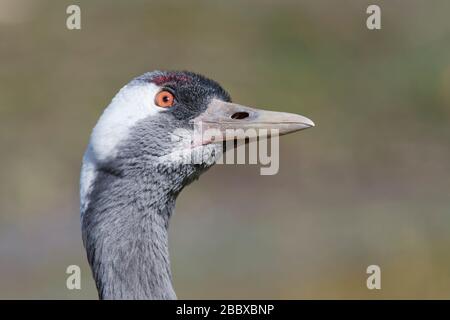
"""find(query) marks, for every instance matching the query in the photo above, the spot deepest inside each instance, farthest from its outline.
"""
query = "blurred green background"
(369, 185)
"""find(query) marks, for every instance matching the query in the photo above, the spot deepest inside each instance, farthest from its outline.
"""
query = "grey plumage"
(125, 224)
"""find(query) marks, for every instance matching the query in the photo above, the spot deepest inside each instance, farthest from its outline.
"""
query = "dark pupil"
(166, 98)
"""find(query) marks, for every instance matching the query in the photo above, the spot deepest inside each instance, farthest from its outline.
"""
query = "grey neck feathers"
(125, 230)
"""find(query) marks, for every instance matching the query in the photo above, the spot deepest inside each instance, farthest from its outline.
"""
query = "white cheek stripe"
(132, 103)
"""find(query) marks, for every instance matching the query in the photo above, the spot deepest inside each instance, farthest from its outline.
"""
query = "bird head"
(154, 121)
(159, 114)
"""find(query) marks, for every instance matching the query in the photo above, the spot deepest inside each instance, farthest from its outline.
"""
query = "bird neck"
(125, 232)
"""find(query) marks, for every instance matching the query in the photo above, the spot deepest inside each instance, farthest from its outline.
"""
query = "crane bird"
(129, 182)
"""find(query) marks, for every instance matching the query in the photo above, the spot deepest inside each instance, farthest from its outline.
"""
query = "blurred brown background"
(369, 185)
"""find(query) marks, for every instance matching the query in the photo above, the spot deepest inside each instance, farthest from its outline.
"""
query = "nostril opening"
(239, 115)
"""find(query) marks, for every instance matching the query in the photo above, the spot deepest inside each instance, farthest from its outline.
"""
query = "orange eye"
(164, 99)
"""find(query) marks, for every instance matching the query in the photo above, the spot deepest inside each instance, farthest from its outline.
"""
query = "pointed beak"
(223, 117)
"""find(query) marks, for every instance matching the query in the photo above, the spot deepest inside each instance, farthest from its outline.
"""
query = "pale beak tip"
(307, 123)
(310, 123)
